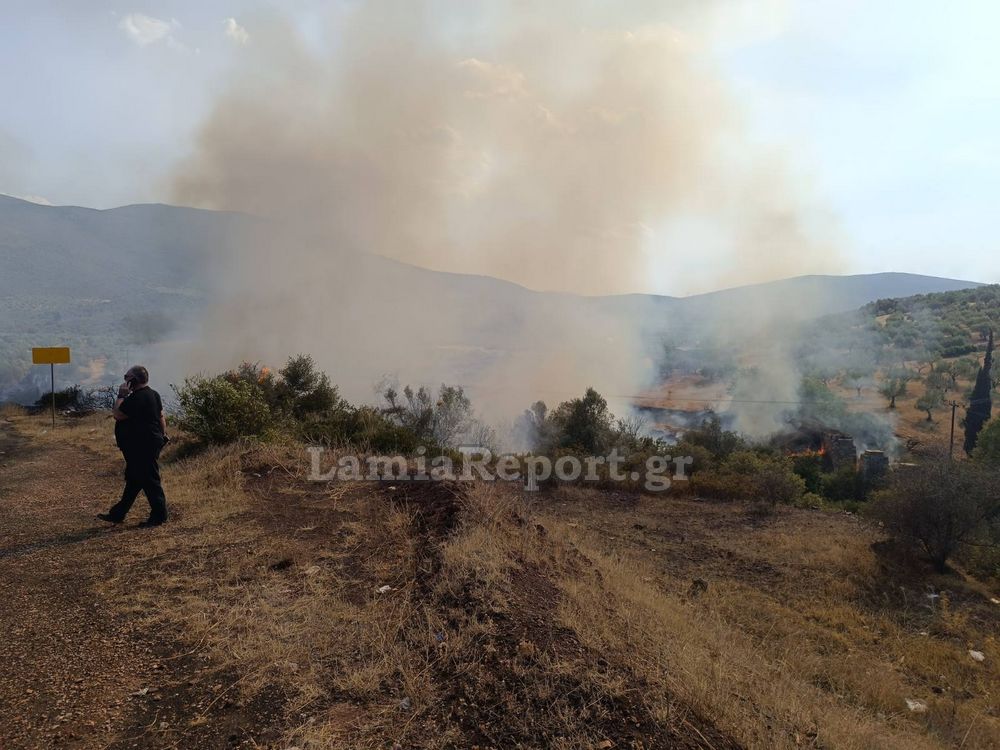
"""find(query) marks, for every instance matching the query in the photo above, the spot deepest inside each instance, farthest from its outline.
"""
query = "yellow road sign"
(50, 355)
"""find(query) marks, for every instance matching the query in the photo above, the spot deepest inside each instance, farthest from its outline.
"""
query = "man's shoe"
(148, 524)
(106, 517)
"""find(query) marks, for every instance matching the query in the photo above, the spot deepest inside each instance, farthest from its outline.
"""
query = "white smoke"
(531, 142)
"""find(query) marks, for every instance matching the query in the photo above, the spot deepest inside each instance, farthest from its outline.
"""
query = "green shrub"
(810, 500)
(583, 424)
(844, 484)
(303, 391)
(76, 399)
(299, 391)
(717, 441)
(703, 460)
(941, 505)
(365, 427)
(219, 410)
(257, 376)
(751, 476)
(720, 485)
(67, 398)
(987, 450)
(809, 466)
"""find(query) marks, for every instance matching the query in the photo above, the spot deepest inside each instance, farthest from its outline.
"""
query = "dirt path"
(70, 660)
(77, 671)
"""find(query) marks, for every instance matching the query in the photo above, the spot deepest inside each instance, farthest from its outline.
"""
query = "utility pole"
(52, 376)
(951, 441)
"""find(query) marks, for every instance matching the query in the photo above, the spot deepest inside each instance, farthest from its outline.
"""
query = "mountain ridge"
(92, 278)
(883, 276)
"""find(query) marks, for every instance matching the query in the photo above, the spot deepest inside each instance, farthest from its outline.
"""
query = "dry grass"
(9, 410)
(564, 620)
(792, 643)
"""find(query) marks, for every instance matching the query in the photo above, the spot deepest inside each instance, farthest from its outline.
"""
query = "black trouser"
(142, 472)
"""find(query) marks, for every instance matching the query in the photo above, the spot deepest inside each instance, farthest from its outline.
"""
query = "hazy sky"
(886, 113)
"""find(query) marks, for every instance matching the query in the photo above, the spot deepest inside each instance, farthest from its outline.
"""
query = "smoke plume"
(544, 144)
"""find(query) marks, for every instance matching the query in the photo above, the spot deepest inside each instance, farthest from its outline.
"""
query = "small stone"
(977, 655)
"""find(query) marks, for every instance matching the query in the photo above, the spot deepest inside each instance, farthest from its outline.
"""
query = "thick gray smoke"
(537, 143)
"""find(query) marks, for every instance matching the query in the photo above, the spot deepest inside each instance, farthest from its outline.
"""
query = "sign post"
(51, 356)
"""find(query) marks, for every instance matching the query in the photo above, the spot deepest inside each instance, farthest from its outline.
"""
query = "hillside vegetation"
(923, 328)
(917, 354)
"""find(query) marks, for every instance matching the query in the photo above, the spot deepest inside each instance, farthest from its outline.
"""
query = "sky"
(885, 113)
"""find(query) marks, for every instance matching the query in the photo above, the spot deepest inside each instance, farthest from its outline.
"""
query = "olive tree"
(939, 505)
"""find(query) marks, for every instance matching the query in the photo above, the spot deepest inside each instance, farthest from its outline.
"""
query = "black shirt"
(142, 428)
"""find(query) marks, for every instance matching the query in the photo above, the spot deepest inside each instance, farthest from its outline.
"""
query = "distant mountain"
(821, 295)
(90, 278)
(800, 298)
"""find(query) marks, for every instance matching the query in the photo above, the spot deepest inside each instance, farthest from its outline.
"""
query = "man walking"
(140, 431)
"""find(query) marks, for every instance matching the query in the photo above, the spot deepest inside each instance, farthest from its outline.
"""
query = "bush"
(220, 410)
(366, 427)
(300, 400)
(67, 398)
(717, 441)
(75, 399)
(703, 460)
(940, 506)
(810, 500)
(259, 377)
(810, 467)
(841, 485)
(751, 476)
(583, 424)
(443, 420)
(299, 392)
(303, 391)
(987, 450)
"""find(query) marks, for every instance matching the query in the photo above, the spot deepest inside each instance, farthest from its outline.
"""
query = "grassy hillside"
(928, 346)
(573, 618)
(923, 327)
(886, 373)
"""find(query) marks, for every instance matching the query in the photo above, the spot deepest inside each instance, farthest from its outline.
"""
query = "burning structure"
(836, 448)
(838, 451)
(872, 467)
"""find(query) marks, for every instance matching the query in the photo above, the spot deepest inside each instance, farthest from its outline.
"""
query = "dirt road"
(78, 670)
